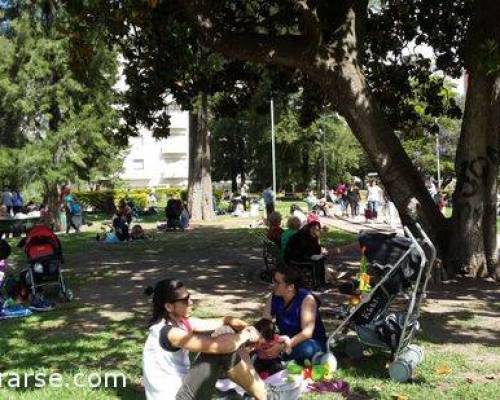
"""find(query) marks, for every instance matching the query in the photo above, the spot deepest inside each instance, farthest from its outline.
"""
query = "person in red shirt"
(275, 230)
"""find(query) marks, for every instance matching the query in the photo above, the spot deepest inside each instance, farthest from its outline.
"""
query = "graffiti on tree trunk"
(472, 178)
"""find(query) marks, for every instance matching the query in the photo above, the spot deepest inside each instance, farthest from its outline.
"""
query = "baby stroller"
(397, 265)
(173, 212)
(44, 252)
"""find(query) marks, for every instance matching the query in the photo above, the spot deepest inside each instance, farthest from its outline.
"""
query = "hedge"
(107, 200)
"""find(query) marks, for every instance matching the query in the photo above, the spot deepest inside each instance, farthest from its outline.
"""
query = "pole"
(324, 162)
(438, 161)
(273, 147)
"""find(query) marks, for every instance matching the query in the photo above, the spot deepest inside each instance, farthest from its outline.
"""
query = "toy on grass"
(322, 371)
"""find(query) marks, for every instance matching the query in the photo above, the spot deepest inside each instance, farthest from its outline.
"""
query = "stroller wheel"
(401, 370)
(66, 295)
(69, 295)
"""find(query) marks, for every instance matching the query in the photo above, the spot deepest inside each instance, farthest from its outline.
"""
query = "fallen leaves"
(443, 370)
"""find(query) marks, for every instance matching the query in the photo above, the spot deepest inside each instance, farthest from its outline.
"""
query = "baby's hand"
(288, 344)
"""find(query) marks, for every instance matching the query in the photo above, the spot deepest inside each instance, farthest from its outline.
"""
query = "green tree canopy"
(56, 126)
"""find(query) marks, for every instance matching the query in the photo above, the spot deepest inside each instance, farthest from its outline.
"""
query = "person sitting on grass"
(124, 211)
(168, 373)
(120, 232)
(296, 211)
(304, 246)
(295, 310)
(137, 233)
(275, 231)
(293, 226)
(297, 316)
(184, 217)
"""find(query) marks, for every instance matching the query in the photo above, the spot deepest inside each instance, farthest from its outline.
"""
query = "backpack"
(75, 208)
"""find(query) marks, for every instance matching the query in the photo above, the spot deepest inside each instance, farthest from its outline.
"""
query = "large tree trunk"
(473, 236)
(200, 203)
(54, 205)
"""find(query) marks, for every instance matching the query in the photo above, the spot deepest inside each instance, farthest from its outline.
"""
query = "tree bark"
(200, 203)
(473, 236)
(54, 205)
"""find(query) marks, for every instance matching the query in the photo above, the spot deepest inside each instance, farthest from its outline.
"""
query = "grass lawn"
(103, 329)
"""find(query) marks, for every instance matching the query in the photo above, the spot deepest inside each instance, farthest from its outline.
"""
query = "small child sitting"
(275, 231)
(265, 366)
(137, 233)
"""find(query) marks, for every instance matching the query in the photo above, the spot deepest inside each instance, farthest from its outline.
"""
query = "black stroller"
(173, 212)
(398, 266)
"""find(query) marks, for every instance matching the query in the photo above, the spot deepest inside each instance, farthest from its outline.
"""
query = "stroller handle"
(433, 256)
(423, 260)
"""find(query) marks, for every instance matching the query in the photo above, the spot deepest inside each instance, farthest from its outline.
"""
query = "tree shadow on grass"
(461, 326)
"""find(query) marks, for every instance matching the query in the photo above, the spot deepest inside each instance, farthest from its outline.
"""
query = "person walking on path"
(244, 195)
(269, 200)
(374, 198)
(353, 198)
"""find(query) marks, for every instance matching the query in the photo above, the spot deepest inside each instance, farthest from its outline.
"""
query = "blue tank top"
(288, 318)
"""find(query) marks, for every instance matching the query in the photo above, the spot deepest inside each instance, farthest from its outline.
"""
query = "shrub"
(107, 200)
(138, 196)
(218, 194)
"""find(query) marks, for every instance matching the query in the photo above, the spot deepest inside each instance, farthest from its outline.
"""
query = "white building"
(159, 163)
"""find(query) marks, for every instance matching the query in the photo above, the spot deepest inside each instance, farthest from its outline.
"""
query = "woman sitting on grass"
(304, 246)
(293, 225)
(167, 370)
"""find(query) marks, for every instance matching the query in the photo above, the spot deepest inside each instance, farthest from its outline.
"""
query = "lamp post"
(438, 130)
(322, 131)
(438, 161)
(273, 146)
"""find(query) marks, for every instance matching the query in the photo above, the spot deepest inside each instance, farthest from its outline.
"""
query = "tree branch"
(309, 19)
(286, 50)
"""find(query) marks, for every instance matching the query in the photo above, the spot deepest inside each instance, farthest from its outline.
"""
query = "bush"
(107, 200)
(168, 193)
(218, 194)
(138, 196)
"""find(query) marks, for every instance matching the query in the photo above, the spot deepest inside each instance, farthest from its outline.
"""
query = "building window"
(137, 165)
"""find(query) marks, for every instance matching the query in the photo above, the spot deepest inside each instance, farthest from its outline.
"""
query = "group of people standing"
(12, 201)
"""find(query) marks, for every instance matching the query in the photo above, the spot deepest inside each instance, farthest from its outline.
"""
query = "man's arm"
(307, 321)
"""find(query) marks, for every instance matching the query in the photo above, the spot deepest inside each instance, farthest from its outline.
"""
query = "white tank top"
(162, 370)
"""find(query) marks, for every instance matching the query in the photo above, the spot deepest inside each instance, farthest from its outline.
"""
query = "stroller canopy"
(42, 242)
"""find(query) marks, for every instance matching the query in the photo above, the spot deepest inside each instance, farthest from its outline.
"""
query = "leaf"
(443, 370)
